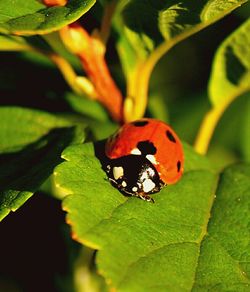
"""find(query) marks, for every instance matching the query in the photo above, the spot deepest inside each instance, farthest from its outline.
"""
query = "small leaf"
(13, 43)
(21, 43)
(33, 17)
(231, 68)
(31, 143)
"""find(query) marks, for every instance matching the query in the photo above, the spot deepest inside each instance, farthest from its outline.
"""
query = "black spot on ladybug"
(140, 123)
(146, 147)
(178, 166)
(170, 136)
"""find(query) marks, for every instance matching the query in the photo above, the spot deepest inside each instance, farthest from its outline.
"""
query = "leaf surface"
(225, 252)
(31, 143)
(33, 17)
(164, 246)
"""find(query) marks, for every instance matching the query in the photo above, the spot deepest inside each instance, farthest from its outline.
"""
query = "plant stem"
(66, 70)
(210, 122)
(139, 83)
(80, 85)
(207, 128)
(85, 279)
(106, 21)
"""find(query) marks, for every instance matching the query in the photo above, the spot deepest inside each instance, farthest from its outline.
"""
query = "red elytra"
(168, 155)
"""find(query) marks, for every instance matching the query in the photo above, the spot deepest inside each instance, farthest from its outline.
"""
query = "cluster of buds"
(90, 49)
(91, 52)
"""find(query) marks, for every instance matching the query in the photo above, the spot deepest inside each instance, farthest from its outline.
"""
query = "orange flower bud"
(91, 50)
(50, 3)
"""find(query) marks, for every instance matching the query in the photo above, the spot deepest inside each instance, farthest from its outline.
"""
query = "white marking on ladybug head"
(150, 172)
(124, 184)
(135, 151)
(148, 185)
(118, 172)
(147, 174)
(134, 189)
(151, 158)
(144, 175)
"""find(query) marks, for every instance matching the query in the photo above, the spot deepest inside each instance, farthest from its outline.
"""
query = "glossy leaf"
(33, 17)
(31, 143)
(231, 68)
(159, 245)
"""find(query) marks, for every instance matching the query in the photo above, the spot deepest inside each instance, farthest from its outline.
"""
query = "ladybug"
(144, 156)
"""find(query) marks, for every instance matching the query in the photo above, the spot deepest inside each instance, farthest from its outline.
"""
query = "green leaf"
(35, 44)
(20, 127)
(159, 21)
(13, 43)
(87, 107)
(231, 67)
(245, 137)
(224, 255)
(124, 47)
(31, 143)
(160, 242)
(186, 240)
(32, 17)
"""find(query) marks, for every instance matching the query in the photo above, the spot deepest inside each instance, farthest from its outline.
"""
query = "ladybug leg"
(113, 181)
(145, 198)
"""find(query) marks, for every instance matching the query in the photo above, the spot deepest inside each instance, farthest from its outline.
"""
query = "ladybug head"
(134, 175)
